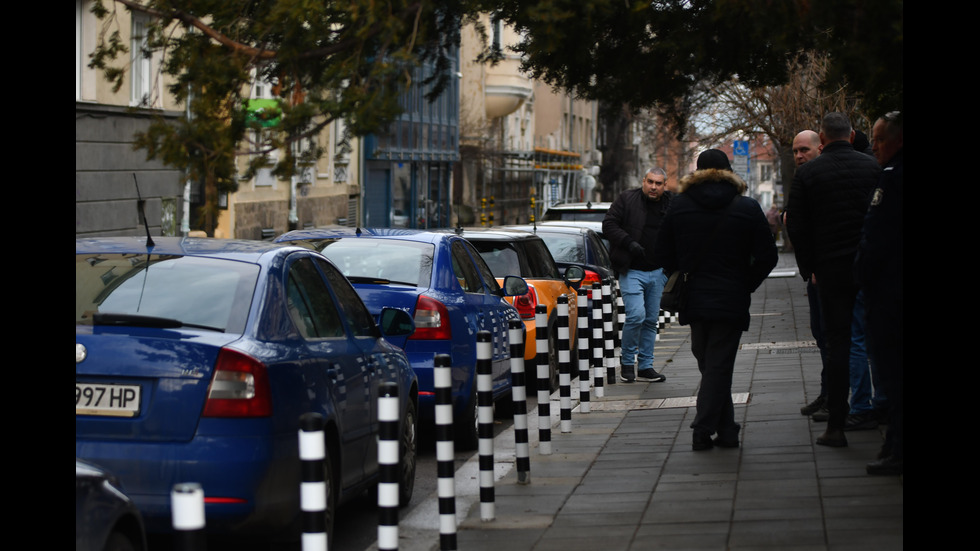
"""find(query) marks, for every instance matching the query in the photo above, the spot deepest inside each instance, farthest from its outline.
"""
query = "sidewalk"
(626, 478)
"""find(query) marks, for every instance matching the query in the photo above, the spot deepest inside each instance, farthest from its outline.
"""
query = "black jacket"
(879, 265)
(625, 223)
(827, 203)
(736, 258)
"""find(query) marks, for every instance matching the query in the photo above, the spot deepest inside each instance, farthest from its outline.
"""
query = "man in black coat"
(879, 269)
(723, 240)
(827, 204)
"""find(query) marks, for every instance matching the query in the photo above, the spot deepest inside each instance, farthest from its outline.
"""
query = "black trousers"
(714, 344)
(838, 291)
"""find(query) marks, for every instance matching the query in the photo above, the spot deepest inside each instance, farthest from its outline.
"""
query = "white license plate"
(107, 399)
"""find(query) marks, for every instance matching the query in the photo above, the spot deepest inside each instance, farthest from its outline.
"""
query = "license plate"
(107, 399)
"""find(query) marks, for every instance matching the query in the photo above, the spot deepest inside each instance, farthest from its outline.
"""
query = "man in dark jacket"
(631, 226)
(827, 203)
(879, 268)
(722, 239)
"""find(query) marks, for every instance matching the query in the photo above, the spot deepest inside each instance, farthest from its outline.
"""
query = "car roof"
(424, 236)
(598, 205)
(498, 233)
(554, 228)
(233, 249)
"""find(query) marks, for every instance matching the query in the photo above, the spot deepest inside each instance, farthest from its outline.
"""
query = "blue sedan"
(195, 358)
(443, 282)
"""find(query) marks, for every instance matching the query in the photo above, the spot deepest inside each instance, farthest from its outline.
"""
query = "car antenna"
(357, 231)
(142, 212)
(459, 228)
(589, 204)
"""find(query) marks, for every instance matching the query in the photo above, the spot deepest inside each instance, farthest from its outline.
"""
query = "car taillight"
(526, 303)
(590, 278)
(431, 320)
(239, 387)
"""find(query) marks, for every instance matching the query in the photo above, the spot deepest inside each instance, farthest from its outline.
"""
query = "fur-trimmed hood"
(712, 175)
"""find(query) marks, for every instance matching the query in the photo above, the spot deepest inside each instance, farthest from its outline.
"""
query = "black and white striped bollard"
(388, 466)
(313, 488)
(597, 341)
(585, 389)
(544, 379)
(187, 516)
(564, 365)
(442, 374)
(607, 330)
(484, 394)
(621, 321)
(518, 389)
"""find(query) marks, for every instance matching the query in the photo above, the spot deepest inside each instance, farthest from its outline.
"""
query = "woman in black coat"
(723, 240)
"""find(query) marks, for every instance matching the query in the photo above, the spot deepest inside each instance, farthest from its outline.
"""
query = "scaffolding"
(519, 185)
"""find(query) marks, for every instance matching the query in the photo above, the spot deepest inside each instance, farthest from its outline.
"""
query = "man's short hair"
(836, 126)
(893, 123)
(657, 171)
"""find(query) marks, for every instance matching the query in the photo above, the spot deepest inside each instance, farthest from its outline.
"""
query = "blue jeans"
(641, 297)
(863, 373)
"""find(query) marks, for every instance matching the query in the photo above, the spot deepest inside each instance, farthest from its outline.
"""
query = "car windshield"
(564, 247)
(135, 289)
(382, 260)
(575, 215)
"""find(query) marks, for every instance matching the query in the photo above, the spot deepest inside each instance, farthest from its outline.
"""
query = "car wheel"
(330, 513)
(467, 434)
(409, 449)
(119, 541)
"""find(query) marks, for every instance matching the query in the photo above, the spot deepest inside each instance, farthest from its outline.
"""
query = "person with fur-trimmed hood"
(723, 240)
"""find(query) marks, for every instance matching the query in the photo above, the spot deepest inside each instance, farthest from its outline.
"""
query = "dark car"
(520, 253)
(576, 246)
(196, 358)
(105, 517)
(441, 280)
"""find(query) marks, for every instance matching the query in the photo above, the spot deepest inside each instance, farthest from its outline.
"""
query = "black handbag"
(674, 296)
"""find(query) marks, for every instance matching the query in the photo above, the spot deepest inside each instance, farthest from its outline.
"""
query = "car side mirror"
(396, 323)
(574, 275)
(514, 286)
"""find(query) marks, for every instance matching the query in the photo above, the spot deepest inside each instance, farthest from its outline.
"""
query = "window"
(141, 69)
(310, 304)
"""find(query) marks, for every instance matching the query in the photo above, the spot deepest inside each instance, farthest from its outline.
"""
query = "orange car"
(521, 253)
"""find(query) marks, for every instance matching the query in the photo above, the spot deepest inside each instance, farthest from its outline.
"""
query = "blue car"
(441, 280)
(195, 358)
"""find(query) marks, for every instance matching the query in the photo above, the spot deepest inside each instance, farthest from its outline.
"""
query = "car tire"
(331, 512)
(409, 452)
(118, 541)
(553, 356)
(467, 435)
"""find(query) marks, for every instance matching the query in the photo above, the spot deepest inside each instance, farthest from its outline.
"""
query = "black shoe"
(626, 373)
(814, 406)
(702, 441)
(650, 376)
(881, 415)
(821, 415)
(725, 442)
(886, 466)
(833, 438)
(860, 421)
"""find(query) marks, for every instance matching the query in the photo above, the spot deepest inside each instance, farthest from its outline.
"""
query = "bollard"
(388, 466)
(313, 488)
(564, 365)
(187, 516)
(544, 380)
(607, 330)
(621, 321)
(597, 356)
(518, 389)
(585, 390)
(484, 394)
(445, 451)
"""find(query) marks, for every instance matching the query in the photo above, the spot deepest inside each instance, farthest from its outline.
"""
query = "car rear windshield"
(385, 260)
(584, 215)
(564, 247)
(192, 291)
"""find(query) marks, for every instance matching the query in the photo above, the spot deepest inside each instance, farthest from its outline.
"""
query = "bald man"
(806, 146)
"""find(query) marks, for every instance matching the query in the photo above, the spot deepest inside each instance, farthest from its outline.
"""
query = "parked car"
(576, 246)
(195, 358)
(520, 253)
(441, 280)
(106, 519)
(577, 212)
